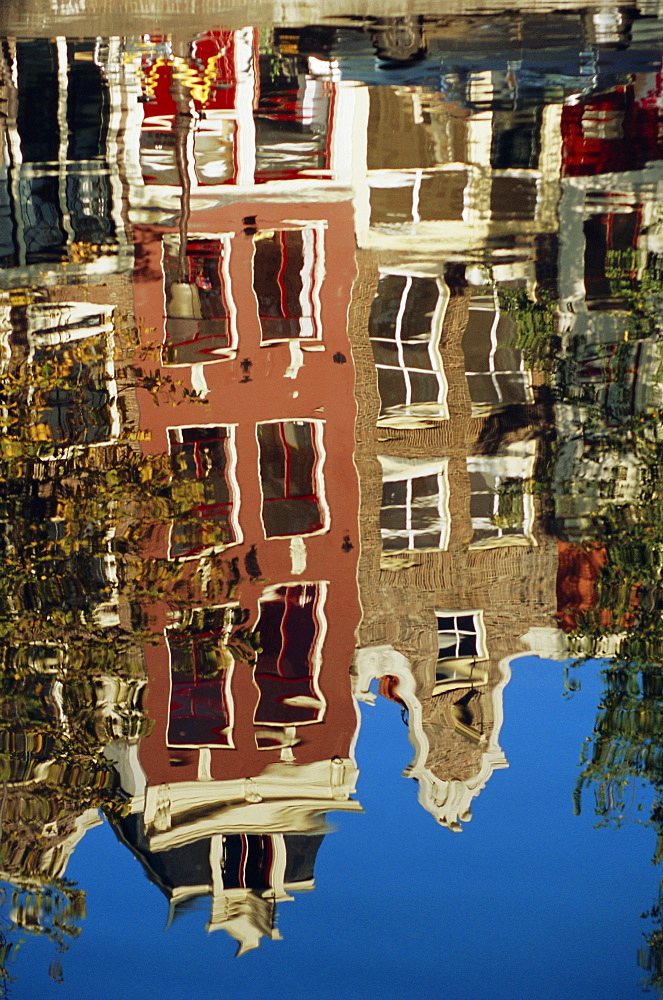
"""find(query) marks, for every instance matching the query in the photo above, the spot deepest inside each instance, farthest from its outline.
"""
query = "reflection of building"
(61, 174)
(449, 182)
(249, 690)
(432, 170)
(245, 874)
(449, 535)
(609, 271)
(238, 116)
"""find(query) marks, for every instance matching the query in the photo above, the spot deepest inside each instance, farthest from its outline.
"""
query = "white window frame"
(270, 594)
(481, 409)
(413, 177)
(51, 324)
(312, 275)
(408, 469)
(227, 689)
(409, 414)
(172, 240)
(318, 474)
(517, 463)
(233, 484)
(463, 671)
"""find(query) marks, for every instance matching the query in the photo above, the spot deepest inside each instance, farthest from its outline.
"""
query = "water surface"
(330, 364)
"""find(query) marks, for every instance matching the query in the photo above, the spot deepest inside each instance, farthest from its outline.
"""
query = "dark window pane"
(76, 410)
(476, 339)
(480, 482)
(483, 390)
(417, 355)
(198, 711)
(36, 118)
(424, 486)
(391, 386)
(196, 315)
(422, 297)
(448, 647)
(393, 518)
(513, 388)
(442, 196)
(284, 669)
(287, 474)
(385, 353)
(466, 623)
(391, 205)
(484, 534)
(394, 493)
(90, 201)
(482, 505)
(200, 490)
(425, 387)
(513, 198)
(427, 541)
(277, 275)
(385, 307)
(291, 517)
(468, 646)
(425, 517)
(515, 140)
(88, 105)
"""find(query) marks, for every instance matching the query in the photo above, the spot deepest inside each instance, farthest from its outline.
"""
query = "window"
(247, 861)
(288, 270)
(415, 504)
(200, 712)
(213, 143)
(461, 643)
(214, 146)
(502, 511)
(610, 240)
(404, 197)
(215, 82)
(516, 140)
(513, 198)
(158, 161)
(493, 364)
(199, 309)
(291, 629)
(73, 206)
(203, 470)
(74, 397)
(291, 478)
(291, 122)
(404, 328)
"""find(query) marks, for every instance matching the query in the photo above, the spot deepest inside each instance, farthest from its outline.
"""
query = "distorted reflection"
(330, 367)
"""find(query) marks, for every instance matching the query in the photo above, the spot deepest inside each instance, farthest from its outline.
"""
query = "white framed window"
(461, 639)
(292, 627)
(201, 316)
(404, 328)
(291, 459)
(288, 272)
(204, 489)
(494, 368)
(75, 340)
(412, 196)
(201, 710)
(501, 507)
(214, 145)
(414, 515)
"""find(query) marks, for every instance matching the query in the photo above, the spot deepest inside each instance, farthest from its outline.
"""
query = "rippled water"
(331, 383)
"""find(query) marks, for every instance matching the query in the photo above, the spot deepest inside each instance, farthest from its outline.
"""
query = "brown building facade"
(454, 568)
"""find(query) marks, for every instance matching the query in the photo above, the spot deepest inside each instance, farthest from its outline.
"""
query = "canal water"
(331, 502)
